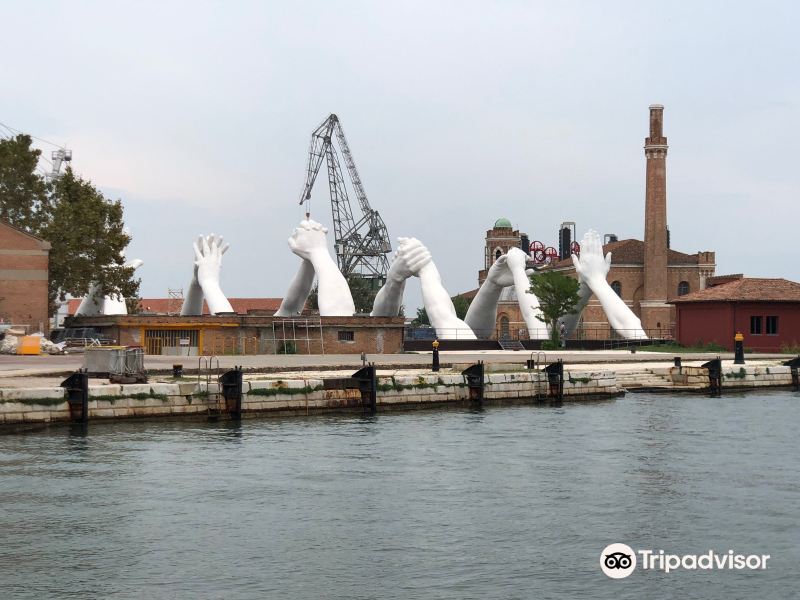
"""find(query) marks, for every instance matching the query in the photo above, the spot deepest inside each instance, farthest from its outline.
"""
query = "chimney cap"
(656, 107)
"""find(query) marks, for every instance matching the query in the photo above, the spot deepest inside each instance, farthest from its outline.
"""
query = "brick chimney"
(655, 312)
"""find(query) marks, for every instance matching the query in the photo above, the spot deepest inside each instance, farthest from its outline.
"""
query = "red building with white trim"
(765, 311)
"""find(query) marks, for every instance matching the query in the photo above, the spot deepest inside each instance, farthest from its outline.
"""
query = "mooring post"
(435, 359)
(555, 379)
(738, 348)
(714, 376)
(476, 383)
(231, 384)
(794, 365)
(367, 378)
(77, 386)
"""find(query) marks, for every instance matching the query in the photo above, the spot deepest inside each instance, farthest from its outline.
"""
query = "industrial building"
(24, 263)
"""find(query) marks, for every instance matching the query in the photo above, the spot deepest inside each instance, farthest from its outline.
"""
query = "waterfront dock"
(36, 396)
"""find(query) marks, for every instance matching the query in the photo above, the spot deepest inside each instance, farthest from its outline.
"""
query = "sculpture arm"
(92, 303)
(208, 253)
(193, 300)
(334, 297)
(298, 291)
(411, 256)
(528, 302)
(389, 299)
(593, 268)
(481, 315)
(619, 315)
(571, 321)
(439, 306)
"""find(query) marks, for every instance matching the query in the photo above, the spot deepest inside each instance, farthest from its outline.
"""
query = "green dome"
(502, 223)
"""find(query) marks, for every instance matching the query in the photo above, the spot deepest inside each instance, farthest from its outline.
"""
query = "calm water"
(508, 503)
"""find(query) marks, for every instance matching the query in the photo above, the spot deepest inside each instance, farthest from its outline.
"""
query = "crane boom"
(361, 245)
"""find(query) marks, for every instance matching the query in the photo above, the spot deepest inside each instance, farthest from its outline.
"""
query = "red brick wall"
(23, 279)
(703, 322)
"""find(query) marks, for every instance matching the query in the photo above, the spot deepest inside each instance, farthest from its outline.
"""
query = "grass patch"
(578, 379)
(740, 374)
(709, 347)
(283, 390)
(36, 401)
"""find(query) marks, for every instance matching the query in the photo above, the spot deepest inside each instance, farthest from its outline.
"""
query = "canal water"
(512, 502)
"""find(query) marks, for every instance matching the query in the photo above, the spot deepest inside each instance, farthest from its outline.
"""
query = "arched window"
(683, 288)
(498, 253)
(504, 328)
(617, 287)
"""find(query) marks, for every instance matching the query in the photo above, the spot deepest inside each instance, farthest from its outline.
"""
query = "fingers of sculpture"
(308, 238)
(500, 272)
(516, 259)
(410, 257)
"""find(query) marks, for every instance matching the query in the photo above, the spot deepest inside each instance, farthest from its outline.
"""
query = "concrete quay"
(34, 396)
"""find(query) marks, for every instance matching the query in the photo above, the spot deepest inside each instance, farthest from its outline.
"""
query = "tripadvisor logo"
(619, 560)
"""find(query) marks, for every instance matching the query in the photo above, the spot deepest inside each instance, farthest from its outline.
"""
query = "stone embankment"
(292, 393)
(296, 396)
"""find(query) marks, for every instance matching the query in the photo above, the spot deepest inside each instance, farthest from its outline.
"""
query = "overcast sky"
(198, 116)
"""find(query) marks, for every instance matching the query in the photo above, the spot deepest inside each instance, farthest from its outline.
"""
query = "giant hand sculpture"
(439, 306)
(410, 257)
(205, 284)
(93, 304)
(528, 302)
(308, 241)
(592, 268)
(482, 313)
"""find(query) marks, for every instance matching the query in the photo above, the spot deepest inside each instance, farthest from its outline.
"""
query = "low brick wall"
(291, 396)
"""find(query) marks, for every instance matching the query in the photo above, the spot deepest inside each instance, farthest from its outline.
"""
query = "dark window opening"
(772, 325)
(617, 287)
(498, 253)
(755, 325)
(683, 288)
(347, 336)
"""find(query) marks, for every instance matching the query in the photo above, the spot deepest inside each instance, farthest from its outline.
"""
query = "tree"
(87, 238)
(558, 296)
(23, 192)
(363, 291)
(461, 304)
(422, 318)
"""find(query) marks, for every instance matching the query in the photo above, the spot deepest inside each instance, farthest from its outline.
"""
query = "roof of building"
(164, 306)
(502, 223)
(747, 289)
(631, 252)
(42, 242)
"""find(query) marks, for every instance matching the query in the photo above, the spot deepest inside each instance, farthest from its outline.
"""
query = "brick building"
(765, 311)
(24, 264)
(646, 274)
(251, 334)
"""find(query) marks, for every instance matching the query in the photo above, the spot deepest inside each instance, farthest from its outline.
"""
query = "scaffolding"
(292, 335)
(174, 301)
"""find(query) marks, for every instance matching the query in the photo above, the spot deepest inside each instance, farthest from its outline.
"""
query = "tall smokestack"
(655, 224)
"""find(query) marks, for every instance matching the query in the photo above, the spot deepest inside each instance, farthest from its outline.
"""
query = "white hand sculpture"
(528, 302)
(205, 282)
(93, 304)
(592, 267)
(439, 306)
(482, 312)
(410, 257)
(298, 292)
(193, 299)
(308, 241)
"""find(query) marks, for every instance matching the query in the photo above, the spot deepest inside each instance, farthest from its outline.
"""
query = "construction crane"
(361, 245)
(60, 156)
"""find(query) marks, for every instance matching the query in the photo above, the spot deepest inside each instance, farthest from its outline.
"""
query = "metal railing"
(519, 332)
